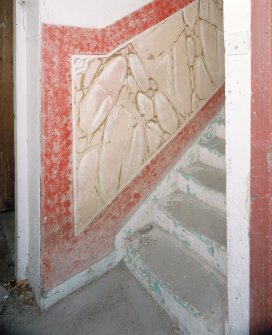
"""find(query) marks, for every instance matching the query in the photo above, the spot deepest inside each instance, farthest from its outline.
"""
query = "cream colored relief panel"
(131, 102)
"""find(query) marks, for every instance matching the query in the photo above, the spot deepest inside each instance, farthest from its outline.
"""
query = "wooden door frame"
(7, 177)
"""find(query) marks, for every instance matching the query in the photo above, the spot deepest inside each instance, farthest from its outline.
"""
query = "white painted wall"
(87, 13)
(238, 108)
(27, 140)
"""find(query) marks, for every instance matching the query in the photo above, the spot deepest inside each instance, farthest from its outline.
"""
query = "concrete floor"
(115, 304)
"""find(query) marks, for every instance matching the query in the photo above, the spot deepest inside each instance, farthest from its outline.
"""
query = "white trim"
(21, 147)
(79, 280)
(33, 136)
(27, 140)
(238, 118)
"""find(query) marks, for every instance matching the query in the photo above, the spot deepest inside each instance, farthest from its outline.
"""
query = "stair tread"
(215, 144)
(196, 286)
(207, 176)
(196, 216)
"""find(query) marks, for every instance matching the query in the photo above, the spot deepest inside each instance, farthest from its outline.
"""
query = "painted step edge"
(187, 317)
(211, 156)
(220, 131)
(219, 124)
(211, 252)
(192, 187)
(168, 184)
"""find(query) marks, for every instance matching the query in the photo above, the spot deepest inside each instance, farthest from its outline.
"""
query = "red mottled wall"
(64, 254)
(261, 169)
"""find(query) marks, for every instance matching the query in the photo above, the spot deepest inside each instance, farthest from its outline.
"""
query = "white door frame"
(237, 24)
(21, 139)
(27, 140)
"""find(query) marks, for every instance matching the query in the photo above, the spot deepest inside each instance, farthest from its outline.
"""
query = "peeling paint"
(188, 188)
(181, 239)
(209, 244)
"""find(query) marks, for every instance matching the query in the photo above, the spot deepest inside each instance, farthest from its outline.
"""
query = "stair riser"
(212, 158)
(189, 320)
(205, 194)
(214, 254)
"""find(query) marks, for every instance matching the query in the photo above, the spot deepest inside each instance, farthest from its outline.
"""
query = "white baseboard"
(85, 277)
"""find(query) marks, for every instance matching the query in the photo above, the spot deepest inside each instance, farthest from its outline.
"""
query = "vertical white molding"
(237, 15)
(27, 139)
(21, 140)
(34, 138)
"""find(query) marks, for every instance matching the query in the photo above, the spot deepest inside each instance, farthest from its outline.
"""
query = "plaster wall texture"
(238, 97)
(119, 50)
(143, 214)
(167, 185)
(27, 46)
(128, 104)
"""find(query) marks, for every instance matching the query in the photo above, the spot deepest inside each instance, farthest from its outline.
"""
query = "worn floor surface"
(115, 304)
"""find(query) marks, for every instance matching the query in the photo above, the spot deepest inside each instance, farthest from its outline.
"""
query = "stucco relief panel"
(126, 105)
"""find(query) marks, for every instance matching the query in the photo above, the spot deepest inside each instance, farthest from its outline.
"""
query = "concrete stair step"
(189, 291)
(212, 152)
(196, 225)
(205, 183)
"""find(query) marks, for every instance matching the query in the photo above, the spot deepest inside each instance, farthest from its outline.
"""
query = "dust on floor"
(115, 304)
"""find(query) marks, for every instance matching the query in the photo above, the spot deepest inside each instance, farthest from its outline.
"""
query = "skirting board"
(79, 280)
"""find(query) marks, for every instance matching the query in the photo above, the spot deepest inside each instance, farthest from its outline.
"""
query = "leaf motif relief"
(128, 103)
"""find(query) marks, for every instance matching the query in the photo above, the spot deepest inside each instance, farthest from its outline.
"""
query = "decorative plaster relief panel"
(128, 104)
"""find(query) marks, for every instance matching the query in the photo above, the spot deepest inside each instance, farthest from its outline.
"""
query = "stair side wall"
(69, 245)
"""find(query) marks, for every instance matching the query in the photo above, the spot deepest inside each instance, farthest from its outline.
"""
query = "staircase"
(179, 255)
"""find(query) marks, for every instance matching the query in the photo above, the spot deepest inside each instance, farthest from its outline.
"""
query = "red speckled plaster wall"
(64, 254)
(261, 169)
